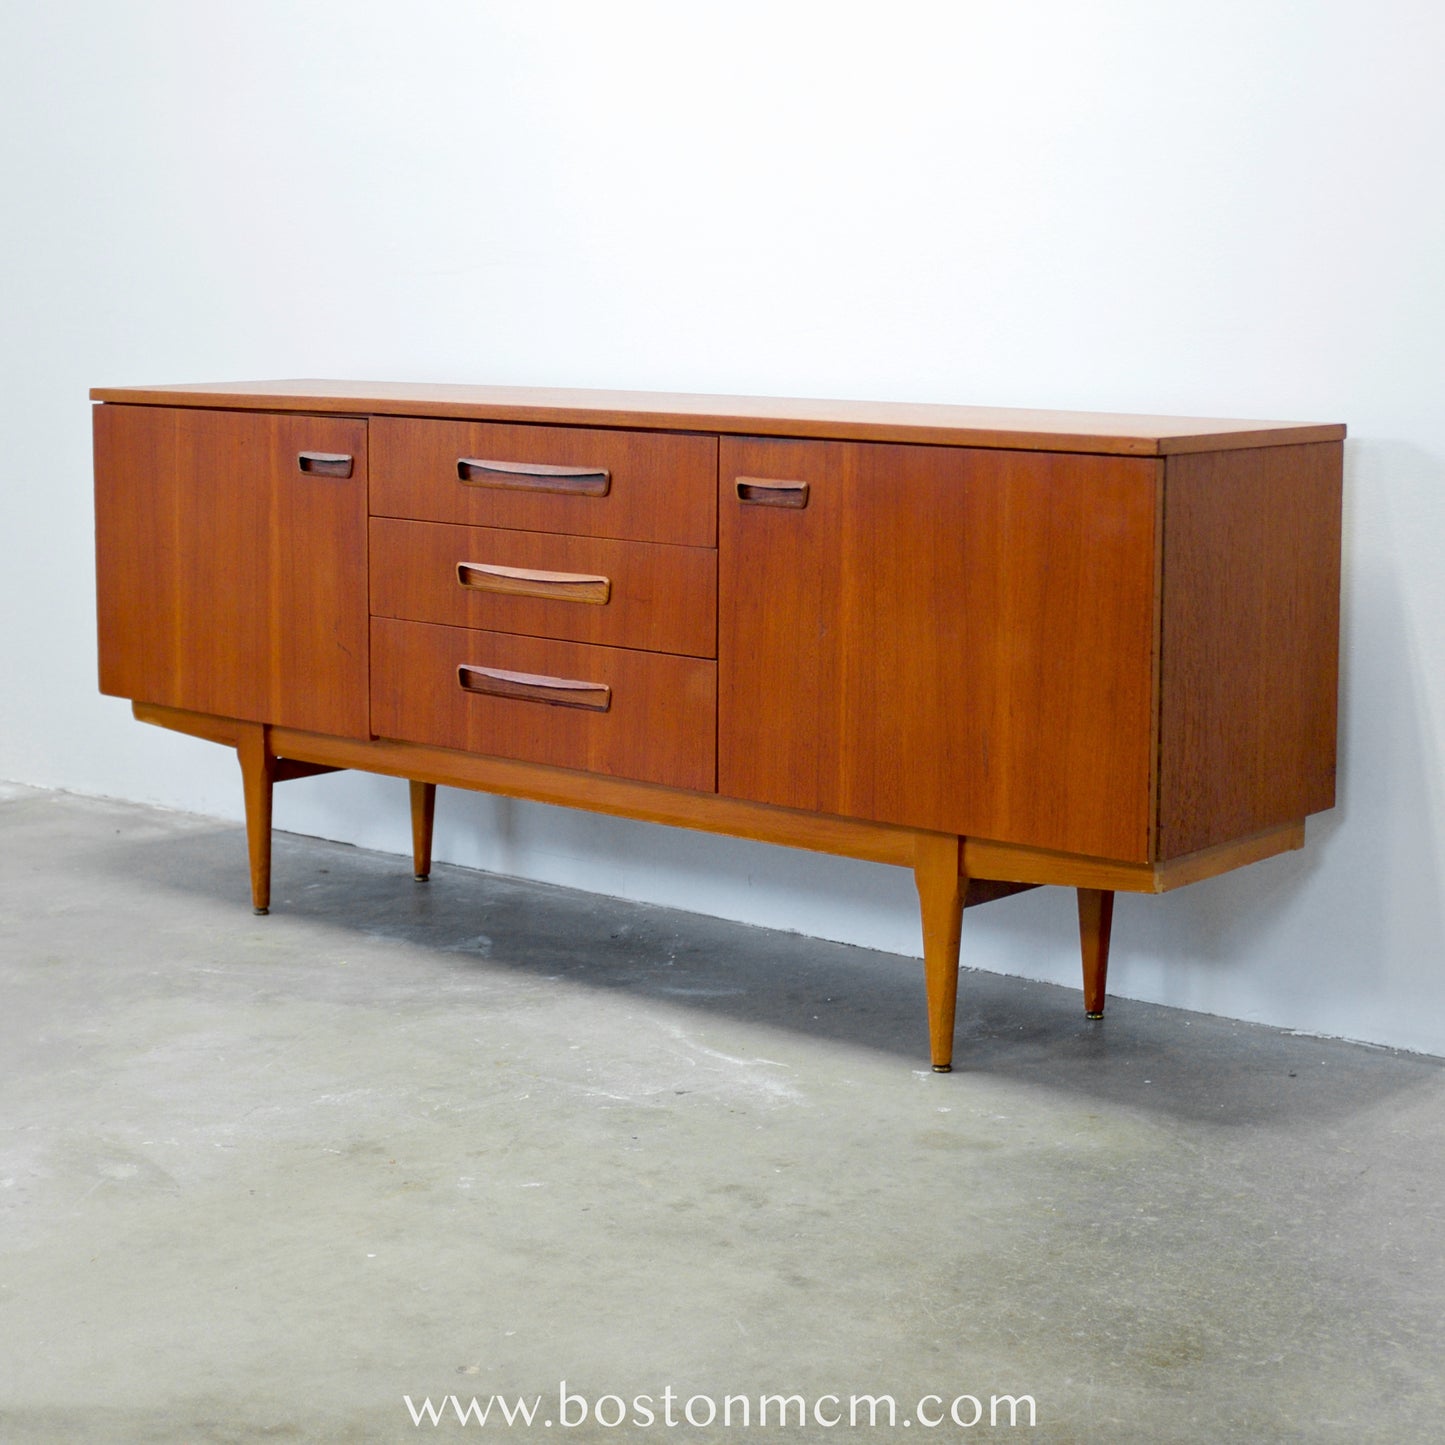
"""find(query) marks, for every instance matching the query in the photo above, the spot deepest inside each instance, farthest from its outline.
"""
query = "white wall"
(1204, 206)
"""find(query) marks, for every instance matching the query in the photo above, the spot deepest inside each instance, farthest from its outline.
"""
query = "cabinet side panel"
(1249, 661)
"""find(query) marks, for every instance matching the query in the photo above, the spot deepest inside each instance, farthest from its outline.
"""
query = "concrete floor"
(262, 1178)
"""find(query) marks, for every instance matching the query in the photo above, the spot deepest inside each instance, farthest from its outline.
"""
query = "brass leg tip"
(943, 1068)
(260, 912)
(1089, 1015)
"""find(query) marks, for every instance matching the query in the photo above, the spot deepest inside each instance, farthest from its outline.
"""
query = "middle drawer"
(651, 596)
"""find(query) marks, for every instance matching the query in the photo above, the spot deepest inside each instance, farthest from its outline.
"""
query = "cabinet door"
(231, 564)
(943, 638)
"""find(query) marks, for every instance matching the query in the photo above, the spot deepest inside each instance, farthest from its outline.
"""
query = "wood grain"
(661, 488)
(952, 640)
(658, 727)
(1114, 433)
(662, 598)
(228, 581)
(1249, 671)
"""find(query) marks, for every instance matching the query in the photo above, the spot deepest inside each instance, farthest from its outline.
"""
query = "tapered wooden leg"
(938, 872)
(423, 811)
(1096, 921)
(258, 773)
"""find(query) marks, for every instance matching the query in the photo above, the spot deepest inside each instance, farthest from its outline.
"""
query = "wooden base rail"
(951, 873)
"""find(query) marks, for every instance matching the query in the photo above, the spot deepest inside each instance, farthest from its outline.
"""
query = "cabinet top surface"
(889, 421)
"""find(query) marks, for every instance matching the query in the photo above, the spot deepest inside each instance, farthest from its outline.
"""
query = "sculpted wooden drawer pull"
(525, 582)
(324, 464)
(530, 687)
(534, 477)
(765, 492)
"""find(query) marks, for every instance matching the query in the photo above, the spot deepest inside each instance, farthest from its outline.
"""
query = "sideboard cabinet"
(1001, 648)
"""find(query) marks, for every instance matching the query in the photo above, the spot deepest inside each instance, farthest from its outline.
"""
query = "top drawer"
(643, 486)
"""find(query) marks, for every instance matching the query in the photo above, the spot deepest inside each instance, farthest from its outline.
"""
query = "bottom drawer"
(644, 715)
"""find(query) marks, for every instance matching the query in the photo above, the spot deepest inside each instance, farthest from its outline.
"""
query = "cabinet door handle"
(534, 477)
(532, 687)
(766, 492)
(524, 582)
(324, 464)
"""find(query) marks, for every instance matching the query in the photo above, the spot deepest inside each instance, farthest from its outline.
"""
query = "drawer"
(644, 595)
(644, 486)
(644, 715)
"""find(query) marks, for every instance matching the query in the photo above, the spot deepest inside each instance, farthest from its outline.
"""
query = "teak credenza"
(1001, 648)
